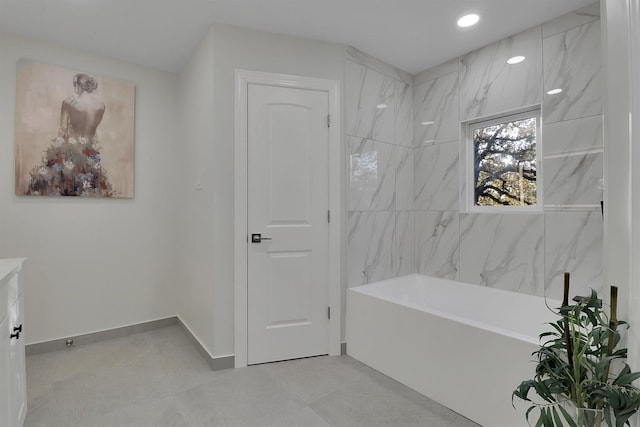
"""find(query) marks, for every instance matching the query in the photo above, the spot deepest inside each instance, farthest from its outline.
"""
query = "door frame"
(242, 80)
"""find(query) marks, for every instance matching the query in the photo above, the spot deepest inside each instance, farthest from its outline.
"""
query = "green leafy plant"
(581, 375)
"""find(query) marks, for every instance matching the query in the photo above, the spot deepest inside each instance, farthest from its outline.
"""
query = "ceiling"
(413, 35)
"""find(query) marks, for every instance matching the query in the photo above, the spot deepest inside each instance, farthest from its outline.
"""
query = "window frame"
(467, 151)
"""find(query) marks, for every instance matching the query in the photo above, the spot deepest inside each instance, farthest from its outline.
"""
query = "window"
(503, 163)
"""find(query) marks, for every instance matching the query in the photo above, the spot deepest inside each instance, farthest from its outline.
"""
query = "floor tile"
(158, 379)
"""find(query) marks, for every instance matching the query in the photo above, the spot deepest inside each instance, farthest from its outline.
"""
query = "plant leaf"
(543, 391)
(548, 420)
(522, 391)
(607, 418)
(568, 417)
(599, 367)
(556, 417)
(531, 408)
(626, 378)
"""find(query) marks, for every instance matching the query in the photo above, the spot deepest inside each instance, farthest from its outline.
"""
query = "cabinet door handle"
(16, 334)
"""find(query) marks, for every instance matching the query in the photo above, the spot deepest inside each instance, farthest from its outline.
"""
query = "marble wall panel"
(503, 251)
(436, 111)
(366, 90)
(570, 136)
(518, 252)
(572, 63)
(488, 85)
(373, 63)
(404, 261)
(436, 173)
(571, 20)
(437, 71)
(573, 180)
(381, 191)
(404, 178)
(404, 114)
(387, 239)
(372, 175)
(437, 244)
(369, 247)
(573, 243)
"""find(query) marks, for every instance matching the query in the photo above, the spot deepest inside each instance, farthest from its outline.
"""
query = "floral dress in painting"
(70, 167)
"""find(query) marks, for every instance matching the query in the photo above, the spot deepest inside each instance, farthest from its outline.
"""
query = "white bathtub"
(465, 346)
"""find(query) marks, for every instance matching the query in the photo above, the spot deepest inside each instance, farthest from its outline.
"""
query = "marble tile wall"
(404, 205)
(571, 64)
(379, 126)
(370, 103)
(573, 242)
(403, 255)
(573, 180)
(573, 136)
(488, 85)
(571, 20)
(503, 251)
(573, 151)
(372, 175)
(436, 177)
(370, 246)
(436, 111)
(438, 243)
(520, 252)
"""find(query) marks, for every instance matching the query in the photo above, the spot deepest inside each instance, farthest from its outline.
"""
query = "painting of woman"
(72, 163)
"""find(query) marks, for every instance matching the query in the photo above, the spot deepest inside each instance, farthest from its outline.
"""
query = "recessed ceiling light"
(515, 60)
(554, 91)
(381, 106)
(468, 20)
(429, 141)
(427, 123)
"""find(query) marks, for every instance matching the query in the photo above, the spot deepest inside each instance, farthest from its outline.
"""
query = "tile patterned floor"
(158, 379)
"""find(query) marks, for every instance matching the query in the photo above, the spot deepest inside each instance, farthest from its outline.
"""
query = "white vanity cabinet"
(13, 386)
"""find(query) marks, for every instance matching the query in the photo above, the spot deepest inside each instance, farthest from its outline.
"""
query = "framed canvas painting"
(74, 133)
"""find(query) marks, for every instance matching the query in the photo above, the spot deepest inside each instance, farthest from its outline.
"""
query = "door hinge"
(328, 120)
(329, 217)
(329, 313)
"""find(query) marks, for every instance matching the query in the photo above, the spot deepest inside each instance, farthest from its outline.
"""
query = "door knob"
(257, 238)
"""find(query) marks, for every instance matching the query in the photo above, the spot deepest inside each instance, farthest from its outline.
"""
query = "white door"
(288, 198)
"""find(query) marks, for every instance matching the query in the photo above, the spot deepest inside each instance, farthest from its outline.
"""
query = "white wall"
(617, 242)
(236, 48)
(621, 28)
(634, 83)
(96, 264)
(196, 234)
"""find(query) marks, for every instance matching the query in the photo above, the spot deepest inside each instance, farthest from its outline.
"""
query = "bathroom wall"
(208, 234)
(96, 264)
(394, 180)
(621, 47)
(379, 140)
(523, 252)
(196, 243)
(100, 264)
